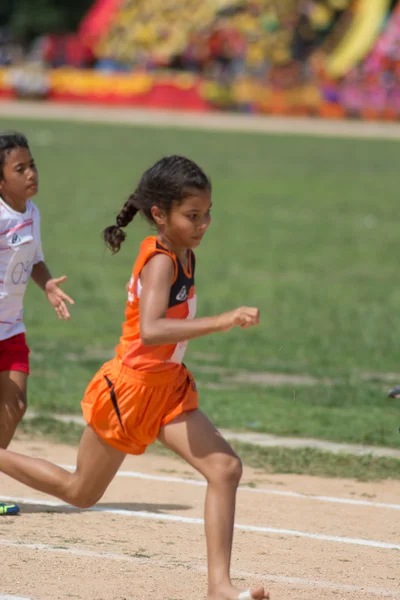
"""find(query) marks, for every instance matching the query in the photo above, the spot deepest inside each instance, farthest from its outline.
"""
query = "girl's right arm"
(155, 329)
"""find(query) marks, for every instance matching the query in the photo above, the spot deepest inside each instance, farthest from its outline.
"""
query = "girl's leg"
(196, 440)
(96, 467)
(13, 386)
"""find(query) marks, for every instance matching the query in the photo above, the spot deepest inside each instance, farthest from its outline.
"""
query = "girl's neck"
(16, 204)
(181, 253)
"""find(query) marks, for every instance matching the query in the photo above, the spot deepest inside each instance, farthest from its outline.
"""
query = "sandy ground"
(303, 537)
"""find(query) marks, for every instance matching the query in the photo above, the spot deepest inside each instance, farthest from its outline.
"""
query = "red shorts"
(14, 354)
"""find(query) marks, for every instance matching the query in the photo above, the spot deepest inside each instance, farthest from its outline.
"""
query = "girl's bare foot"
(395, 392)
(232, 593)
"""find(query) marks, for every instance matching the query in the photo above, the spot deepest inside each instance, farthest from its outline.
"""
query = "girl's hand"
(57, 297)
(243, 317)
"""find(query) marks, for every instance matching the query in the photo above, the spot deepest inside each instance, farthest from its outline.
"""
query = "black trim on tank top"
(182, 285)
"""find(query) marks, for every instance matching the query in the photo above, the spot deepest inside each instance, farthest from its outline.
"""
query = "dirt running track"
(304, 537)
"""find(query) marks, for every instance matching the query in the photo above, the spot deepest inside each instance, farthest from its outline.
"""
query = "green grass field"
(304, 228)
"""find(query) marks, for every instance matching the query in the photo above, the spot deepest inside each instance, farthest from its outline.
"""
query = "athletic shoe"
(7, 508)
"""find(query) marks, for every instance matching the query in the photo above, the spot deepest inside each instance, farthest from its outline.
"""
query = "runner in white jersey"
(20, 250)
(21, 258)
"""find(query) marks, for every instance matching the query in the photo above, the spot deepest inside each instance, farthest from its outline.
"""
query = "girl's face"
(20, 176)
(186, 224)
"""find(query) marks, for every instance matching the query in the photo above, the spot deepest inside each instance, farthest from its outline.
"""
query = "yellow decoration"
(358, 41)
(339, 4)
(281, 55)
(4, 79)
(83, 82)
(320, 16)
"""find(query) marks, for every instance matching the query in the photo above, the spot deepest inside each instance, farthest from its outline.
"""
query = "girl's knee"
(11, 413)
(80, 496)
(15, 407)
(85, 499)
(21, 406)
(227, 469)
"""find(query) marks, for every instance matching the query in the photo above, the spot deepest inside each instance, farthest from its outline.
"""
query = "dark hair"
(9, 141)
(169, 181)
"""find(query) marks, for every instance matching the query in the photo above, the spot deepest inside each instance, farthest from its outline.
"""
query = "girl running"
(21, 258)
(146, 392)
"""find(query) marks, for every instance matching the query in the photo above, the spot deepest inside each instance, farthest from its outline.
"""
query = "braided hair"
(169, 181)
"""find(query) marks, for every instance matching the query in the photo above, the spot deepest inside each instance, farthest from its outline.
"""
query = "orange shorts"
(127, 408)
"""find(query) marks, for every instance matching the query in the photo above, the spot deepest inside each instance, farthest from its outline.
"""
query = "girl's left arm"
(42, 277)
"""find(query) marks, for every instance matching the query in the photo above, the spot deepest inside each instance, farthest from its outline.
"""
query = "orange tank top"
(181, 305)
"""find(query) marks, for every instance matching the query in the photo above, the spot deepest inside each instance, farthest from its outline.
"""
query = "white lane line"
(299, 581)
(13, 598)
(196, 521)
(334, 499)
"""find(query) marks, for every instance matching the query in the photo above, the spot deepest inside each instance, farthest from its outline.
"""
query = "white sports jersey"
(20, 249)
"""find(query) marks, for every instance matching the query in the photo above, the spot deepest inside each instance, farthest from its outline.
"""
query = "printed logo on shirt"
(21, 272)
(182, 295)
(15, 239)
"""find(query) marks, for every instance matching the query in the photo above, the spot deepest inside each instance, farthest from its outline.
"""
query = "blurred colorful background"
(329, 58)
